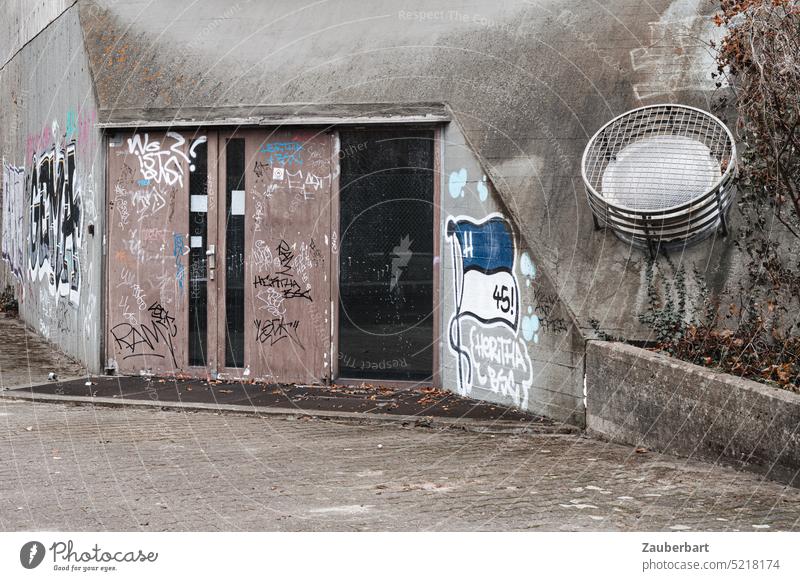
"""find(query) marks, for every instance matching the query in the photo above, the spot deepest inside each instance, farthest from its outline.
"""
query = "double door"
(219, 254)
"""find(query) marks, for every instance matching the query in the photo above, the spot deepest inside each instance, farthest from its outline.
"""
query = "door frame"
(438, 180)
(216, 136)
(212, 304)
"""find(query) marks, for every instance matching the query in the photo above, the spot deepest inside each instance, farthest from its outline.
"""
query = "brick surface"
(83, 468)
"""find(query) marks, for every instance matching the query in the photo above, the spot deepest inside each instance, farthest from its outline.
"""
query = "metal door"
(219, 254)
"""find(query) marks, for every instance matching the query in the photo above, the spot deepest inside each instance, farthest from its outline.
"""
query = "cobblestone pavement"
(27, 359)
(83, 468)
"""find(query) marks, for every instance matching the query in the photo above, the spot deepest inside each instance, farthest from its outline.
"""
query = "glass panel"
(198, 234)
(386, 255)
(234, 253)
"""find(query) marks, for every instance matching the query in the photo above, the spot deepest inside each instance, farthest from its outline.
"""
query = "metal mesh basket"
(661, 176)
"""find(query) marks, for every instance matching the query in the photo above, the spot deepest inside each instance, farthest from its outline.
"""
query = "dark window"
(386, 255)
(234, 253)
(198, 238)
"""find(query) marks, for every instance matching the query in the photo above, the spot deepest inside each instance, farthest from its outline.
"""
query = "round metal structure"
(661, 176)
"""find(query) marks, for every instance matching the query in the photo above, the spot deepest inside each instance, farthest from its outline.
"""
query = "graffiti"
(301, 171)
(163, 163)
(262, 169)
(289, 267)
(262, 256)
(136, 250)
(302, 264)
(144, 340)
(545, 312)
(152, 234)
(313, 184)
(127, 314)
(501, 363)
(287, 285)
(487, 302)
(274, 331)
(13, 218)
(401, 255)
(283, 153)
(164, 285)
(179, 250)
(317, 258)
(120, 204)
(258, 216)
(675, 57)
(128, 278)
(147, 203)
(79, 126)
(55, 221)
(483, 190)
(139, 297)
(457, 183)
(272, 301)
(89, 317)
(64, 320)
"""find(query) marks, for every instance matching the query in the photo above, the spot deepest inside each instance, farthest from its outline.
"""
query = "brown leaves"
(750, 351)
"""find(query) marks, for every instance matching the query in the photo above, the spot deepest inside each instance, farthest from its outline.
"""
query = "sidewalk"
(27, 359)
(72, 468)
(422, 406)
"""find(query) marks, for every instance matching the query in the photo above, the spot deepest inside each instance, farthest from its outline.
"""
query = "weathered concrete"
(528, 81)
(525, 85)
(89, 468)
(465, 424)
(27, 359)
(643, 398)
(547, 376)
(23, 20)
(53, 174)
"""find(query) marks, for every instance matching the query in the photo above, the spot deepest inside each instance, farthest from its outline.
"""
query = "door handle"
(211, 255)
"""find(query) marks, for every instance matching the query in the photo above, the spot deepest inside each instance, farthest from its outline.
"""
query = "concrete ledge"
(289, 114)
(642, 398)
(432, 422)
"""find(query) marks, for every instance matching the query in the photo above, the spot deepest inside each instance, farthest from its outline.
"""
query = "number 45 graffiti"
(505, 298)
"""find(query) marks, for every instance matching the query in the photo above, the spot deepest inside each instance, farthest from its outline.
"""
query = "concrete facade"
(524, 86)
(535, 362)
(52, 186)
(642, 398)
(528, 82)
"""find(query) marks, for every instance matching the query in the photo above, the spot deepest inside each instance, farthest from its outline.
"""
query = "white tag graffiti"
(163, 164)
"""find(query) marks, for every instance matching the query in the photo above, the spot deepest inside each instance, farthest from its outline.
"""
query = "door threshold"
(390, 383)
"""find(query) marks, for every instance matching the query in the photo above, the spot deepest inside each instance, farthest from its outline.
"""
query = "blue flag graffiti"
(487, 289)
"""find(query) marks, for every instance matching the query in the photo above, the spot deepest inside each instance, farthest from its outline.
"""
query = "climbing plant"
(753, 330)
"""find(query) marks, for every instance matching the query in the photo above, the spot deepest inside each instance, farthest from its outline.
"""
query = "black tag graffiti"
(141, 340)
(273, 331)
(284, 279)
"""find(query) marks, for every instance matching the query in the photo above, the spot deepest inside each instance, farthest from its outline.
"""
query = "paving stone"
(92, 468)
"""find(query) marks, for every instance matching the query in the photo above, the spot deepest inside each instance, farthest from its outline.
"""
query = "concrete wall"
(52, 188)
(506, 336)
(528, 81)
(23, 20)
(647, 399)
(527, 84)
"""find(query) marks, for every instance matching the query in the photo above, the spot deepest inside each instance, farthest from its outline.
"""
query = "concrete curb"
(436, 423)
(642, 398)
